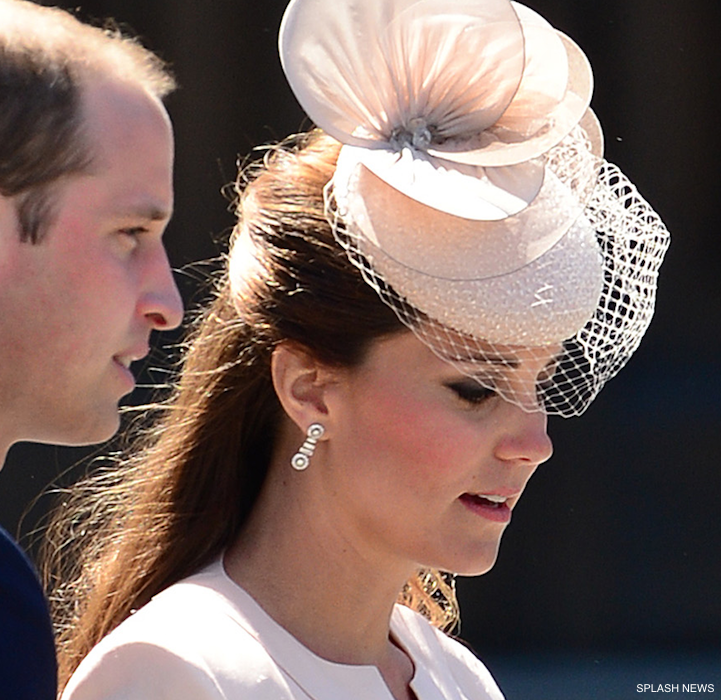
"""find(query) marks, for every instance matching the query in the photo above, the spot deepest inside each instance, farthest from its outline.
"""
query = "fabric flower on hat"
(448, 101)
(446, 109)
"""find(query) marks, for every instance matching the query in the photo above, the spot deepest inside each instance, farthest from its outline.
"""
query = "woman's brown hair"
(181, 496)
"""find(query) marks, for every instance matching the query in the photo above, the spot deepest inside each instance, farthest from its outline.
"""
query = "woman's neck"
(334, 595)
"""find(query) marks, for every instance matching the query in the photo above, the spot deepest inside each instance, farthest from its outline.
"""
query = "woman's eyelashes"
(471, 391)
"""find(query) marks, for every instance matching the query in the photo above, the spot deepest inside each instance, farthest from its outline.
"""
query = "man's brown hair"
(46, 58)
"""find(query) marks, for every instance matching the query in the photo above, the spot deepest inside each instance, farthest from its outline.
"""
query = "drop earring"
(301, 459)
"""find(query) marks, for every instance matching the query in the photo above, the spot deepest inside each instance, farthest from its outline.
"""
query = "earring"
(301, 459)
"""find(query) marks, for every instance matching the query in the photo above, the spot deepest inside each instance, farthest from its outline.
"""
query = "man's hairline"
(45, 194)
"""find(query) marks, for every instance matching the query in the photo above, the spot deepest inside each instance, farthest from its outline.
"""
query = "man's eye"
(134, 231)
(471, 392)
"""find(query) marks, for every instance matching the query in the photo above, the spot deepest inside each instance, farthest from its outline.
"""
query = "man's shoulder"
(27, 651)
(16, 571)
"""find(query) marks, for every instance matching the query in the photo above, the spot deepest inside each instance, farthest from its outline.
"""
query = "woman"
(409, 292)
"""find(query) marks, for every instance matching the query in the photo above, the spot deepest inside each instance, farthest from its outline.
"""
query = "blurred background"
(610, 575)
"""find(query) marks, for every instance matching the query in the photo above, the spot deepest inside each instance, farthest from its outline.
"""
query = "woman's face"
(422, 464)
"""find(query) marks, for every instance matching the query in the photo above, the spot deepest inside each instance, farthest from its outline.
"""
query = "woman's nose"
(526, 438)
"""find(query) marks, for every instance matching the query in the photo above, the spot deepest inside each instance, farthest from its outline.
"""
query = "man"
(86, 157)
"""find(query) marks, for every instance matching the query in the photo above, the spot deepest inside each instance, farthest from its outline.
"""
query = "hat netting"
(632, 241)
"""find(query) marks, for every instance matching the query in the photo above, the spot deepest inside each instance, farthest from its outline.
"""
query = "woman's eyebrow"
(480, 358)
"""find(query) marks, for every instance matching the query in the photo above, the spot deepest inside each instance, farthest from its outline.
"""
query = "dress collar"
(319, 678)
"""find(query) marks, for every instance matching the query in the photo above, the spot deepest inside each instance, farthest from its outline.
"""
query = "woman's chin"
(476, 570)
(472, 564)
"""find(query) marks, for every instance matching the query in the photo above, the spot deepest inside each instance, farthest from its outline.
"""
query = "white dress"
(205, 638)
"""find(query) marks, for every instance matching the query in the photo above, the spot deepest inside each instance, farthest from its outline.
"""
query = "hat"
(470, 189)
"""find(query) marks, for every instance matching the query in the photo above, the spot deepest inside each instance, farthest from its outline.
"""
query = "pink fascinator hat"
(471, 189)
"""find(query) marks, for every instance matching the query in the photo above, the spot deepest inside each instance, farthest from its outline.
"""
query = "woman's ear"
(301, 382)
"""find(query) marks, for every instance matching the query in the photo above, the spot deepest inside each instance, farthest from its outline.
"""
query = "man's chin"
(91, 430)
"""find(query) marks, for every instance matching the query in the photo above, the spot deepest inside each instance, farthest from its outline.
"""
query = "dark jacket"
(27, 651)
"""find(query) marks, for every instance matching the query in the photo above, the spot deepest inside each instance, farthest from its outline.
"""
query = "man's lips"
(123, 360)
(126, 358)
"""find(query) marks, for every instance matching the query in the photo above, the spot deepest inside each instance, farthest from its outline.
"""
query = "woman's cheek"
(421, 435)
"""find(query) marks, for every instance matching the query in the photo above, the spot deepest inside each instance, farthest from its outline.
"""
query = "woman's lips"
(489, 506)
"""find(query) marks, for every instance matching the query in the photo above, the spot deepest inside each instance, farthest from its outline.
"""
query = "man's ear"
(301, 382)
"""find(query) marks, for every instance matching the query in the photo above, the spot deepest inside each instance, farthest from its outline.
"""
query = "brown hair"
(177, 503)
(46, 56)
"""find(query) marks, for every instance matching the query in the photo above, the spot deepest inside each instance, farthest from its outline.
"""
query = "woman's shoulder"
(185, 643)
(442, 660)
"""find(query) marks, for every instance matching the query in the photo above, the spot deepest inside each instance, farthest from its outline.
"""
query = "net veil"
(631, 241)
(471, 190)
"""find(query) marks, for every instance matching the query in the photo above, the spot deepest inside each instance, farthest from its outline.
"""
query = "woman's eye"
(471, 392)
(545, 381)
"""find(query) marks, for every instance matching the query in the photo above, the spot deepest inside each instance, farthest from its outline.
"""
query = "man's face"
(78, 307)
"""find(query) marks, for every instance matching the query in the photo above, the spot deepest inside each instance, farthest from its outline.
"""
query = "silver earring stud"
(301, 459)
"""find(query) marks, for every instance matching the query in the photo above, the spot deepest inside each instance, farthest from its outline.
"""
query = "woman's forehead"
(462, 349)
(468, 355)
